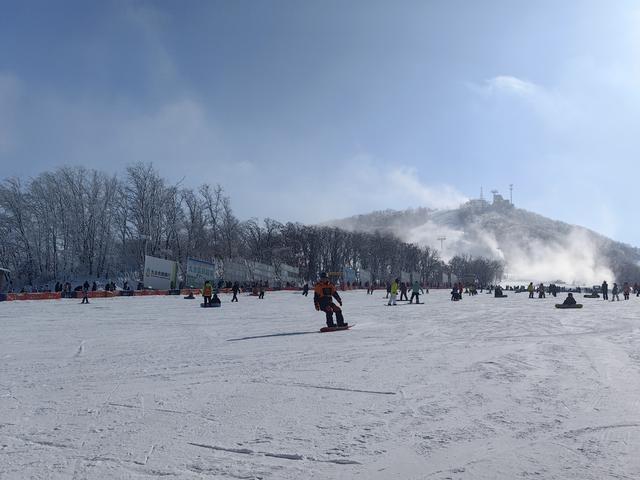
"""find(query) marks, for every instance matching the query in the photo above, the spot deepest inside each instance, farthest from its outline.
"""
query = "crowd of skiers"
(403, 287)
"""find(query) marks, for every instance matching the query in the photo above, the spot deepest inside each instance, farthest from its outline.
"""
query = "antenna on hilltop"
(511, 193)
(442, 239)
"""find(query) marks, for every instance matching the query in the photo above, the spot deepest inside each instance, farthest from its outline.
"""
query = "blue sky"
(367, 104)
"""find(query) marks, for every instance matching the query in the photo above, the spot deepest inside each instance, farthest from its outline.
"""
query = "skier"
(614, 293)
(541, 291)
(388, 290)
(261, 294)
(235, 289)
(324, 293)
(530, 289)
(305, 289)
(416, 289)
(605, 290)
(393, 292)
(403, 291)
(569, 300)
(85, 292)
(626, 290)
(207, 290)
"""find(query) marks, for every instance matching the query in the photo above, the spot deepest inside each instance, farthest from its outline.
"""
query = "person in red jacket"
(324, 294)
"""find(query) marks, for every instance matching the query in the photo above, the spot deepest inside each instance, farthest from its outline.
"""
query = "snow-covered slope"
(156, 387)
(533, 247)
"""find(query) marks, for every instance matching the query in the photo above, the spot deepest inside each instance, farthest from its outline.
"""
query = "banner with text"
(159, 273)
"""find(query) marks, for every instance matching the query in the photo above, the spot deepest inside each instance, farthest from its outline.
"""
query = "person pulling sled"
(324, 293)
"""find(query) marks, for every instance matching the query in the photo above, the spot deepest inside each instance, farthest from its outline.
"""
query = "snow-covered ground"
(485, 388)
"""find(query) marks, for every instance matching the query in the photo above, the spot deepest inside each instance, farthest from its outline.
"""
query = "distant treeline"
(74, 222)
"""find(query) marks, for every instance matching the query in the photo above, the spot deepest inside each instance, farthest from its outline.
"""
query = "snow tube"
(561, 305)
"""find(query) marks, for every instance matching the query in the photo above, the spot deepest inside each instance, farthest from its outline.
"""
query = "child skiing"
(615, 293)
(324, 293)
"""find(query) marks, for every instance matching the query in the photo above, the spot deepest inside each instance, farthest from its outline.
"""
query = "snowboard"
(500, 296)
(560, 305)
(335, 329)
(213, 305)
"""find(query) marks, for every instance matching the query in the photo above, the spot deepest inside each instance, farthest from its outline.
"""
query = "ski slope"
(485, 388)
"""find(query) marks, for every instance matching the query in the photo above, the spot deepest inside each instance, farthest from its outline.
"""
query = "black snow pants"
(329, 310)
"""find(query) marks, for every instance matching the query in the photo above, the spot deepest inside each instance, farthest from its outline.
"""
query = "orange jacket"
(323, 294)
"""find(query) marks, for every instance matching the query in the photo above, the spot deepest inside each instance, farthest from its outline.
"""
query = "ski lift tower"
(442, 239)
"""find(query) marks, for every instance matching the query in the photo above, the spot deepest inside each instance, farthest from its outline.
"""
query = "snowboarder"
(324, 293)
(393, 292)
(569, 300)
(305, 289)
(235, 289)
(626, 290)
(207, 290)
(530, 289)
(215, 301)
(416, 289)
(388, 290)
(261, 294)
(614, 293)
(403, 291)
(605, 290)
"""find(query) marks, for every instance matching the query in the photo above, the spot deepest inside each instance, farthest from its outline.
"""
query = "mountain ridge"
(531, 245)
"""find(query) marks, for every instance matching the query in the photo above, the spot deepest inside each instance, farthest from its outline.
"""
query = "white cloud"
(507, 83)
(370, 182)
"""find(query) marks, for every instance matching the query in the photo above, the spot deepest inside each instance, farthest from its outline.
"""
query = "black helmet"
(323, 275)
